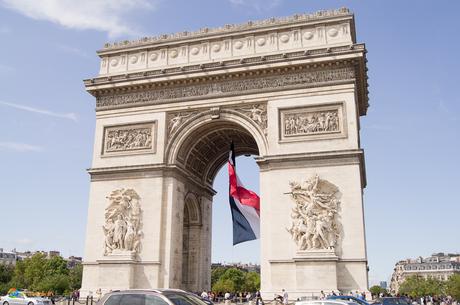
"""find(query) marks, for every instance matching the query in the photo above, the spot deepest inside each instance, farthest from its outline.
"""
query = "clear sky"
(411, 133)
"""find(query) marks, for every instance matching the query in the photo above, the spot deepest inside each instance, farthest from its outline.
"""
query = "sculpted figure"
(119, 233)
(176, 121)
(314, 217)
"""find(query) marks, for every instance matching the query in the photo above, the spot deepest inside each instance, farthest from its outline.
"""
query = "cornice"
(315, 159)
(207, 33)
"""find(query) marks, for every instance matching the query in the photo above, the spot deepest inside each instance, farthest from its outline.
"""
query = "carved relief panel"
(305, 123)
(123, 221)
(315, 219)
(129, 139)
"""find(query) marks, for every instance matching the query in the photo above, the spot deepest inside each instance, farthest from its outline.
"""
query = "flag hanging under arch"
(244, 205)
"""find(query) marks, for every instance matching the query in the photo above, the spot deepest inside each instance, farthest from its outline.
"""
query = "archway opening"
(202, 155)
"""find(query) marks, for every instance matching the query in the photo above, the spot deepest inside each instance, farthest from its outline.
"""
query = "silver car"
(151, 297)
(22, 298)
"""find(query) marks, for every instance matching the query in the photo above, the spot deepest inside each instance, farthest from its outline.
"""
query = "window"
(113, 300)
(132, 299)
(154, 300)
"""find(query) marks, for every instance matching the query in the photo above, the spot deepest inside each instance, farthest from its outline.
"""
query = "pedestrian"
(322, 296)
(285, 297)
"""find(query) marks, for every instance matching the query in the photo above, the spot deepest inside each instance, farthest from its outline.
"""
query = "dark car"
(151, 297)
(347, 298)
(392, 301)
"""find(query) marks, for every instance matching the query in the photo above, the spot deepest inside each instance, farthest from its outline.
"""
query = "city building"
(7, 258)
(439, 265)
(383, 285)
(249, 267)
(10, 258)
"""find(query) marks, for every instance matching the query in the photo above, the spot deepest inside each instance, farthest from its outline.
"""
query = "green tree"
(376, 290)
(453, 286)
(216, 273)
(6, 274)
(416, 286)
(75, 276)
(236, 276)
(251, 281)
(224, 285)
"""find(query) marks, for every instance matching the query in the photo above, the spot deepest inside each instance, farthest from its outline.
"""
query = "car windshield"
(183, 298)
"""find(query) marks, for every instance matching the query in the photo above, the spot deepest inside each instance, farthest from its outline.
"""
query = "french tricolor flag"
(244, 204)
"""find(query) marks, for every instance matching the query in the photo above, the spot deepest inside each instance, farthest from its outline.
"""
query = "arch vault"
(290, 91)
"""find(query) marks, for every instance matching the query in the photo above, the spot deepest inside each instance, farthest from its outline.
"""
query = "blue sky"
(411, 134)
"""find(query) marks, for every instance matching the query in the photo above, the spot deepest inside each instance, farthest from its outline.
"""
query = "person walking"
(285, 297)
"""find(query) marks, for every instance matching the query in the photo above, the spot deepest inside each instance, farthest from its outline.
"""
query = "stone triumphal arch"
(289, 90)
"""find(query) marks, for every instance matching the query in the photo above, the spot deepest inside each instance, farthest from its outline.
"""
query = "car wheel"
(6, 303)
(30, 303)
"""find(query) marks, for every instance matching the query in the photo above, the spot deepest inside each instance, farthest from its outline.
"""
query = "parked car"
(392, 301)
(151, 297)
(348, 298)
(22, 298)
(326, 302)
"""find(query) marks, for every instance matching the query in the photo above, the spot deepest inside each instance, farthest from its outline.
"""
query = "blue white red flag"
(244, 204)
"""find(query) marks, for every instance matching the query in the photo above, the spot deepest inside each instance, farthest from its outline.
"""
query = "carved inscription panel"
(312, 122)
(125, 139)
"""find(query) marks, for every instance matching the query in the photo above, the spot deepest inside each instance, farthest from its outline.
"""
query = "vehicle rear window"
(113, 299)
(134, 299)
(183, 299)
(154, 300)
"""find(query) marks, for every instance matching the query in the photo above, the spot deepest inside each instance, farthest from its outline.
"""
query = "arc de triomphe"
(289, 90)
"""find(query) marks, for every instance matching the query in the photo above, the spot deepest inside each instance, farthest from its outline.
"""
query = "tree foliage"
(416, 286)
(38, 273)
(453, 286)
(234, 280)
(376, 290)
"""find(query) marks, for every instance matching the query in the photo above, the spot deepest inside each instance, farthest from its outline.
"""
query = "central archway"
(200, 148)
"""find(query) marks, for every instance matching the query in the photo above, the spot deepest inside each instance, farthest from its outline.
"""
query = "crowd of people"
(242, 297)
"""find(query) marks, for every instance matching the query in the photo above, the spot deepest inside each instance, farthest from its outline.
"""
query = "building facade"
(439, 266)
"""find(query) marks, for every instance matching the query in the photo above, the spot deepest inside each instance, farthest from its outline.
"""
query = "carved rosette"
(315, 224)
(123, 220)
(257, 113)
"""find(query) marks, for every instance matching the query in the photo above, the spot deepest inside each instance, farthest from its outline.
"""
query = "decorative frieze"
(301, 79)
(311, 122)
(131, 138)
(315, 224)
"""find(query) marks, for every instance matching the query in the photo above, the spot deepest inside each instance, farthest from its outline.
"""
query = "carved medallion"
(315, 223)
(122, 222)
(128, 138)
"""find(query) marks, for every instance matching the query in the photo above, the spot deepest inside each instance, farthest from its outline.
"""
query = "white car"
(22, 298)
(325, 302)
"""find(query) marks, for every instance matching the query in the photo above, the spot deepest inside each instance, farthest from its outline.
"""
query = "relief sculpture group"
(310, 123)
(314, 217)
(122, 222)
